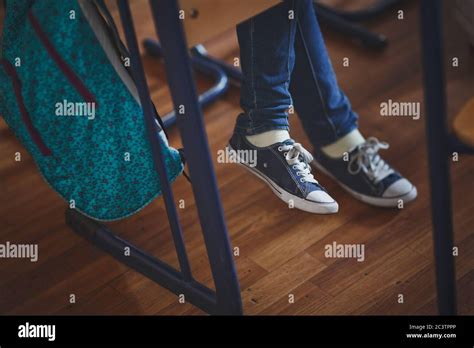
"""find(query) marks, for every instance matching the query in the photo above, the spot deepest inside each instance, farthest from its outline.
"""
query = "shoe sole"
(285, 196)
(385, 202)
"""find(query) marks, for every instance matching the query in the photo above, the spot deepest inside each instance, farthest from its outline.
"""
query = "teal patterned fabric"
(83, 159)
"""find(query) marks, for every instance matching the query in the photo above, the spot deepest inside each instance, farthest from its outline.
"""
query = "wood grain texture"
(463, 125)
(281, 249)
(204, 18)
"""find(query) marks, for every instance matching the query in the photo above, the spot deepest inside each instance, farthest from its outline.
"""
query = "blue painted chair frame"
(225, 299)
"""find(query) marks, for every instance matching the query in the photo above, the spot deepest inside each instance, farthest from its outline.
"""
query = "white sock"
(268, 138)
(346, 143)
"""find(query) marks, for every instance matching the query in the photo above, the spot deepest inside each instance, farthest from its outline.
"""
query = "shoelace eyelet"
(302, 180)
(279, 148)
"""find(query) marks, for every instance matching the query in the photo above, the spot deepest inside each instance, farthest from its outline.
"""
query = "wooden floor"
(281, 250)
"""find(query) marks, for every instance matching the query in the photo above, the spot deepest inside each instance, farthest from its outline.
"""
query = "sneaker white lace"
(293, 155)
(369, 161)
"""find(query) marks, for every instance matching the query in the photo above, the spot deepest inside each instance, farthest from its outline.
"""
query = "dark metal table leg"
(438, 153)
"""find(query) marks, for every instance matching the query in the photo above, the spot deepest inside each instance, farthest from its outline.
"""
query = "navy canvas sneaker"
(285, 168)
(366, 176)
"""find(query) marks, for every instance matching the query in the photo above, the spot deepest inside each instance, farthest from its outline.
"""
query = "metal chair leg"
(226, 298)
(191, 126)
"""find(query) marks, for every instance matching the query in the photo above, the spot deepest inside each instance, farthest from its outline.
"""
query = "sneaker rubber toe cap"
(400, 188)
(320, 197)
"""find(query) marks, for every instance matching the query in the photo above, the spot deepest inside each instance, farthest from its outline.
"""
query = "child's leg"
(331, 124)
(322, 106)
(267, 60)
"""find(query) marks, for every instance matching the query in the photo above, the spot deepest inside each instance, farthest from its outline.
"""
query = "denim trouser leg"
(281, 55)
(267, 59)
(323, 108)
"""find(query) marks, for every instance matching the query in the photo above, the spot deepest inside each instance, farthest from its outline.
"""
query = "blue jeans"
(285, 63)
